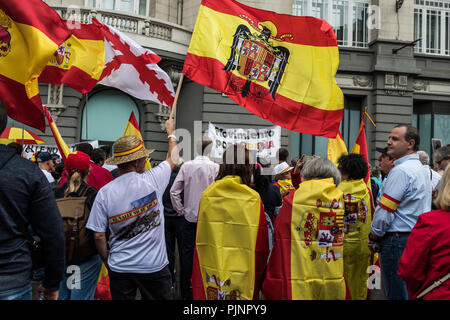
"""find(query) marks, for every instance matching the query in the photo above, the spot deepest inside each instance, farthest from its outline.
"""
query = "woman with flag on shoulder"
(232, 237)
(306, 262)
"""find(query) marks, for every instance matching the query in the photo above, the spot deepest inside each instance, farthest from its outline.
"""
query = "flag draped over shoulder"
(232, 246)
(132, 129)
(358, 207)
(279, 67)
(306, 262)
(30, 33)
(133, 69)
(62, 145)
(78, 61)
(336, 148)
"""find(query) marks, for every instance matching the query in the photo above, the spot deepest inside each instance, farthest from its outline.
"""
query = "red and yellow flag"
(132, 129)
(358, 206)
(360, 147)
(62, 145)
(306, 262)
(232, 245)
(79, 61)
(279, 67)
(336, 148)
(30, 33)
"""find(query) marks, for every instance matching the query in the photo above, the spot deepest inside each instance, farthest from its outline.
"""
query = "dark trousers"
(152, 286)
(173, 231)
(187, 258)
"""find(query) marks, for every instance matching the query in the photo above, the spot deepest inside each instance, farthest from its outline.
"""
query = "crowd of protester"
(302, 229)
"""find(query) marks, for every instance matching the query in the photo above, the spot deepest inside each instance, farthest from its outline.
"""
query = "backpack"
(80, 245)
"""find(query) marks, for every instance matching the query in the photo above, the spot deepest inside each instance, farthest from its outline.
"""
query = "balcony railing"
(146, 26)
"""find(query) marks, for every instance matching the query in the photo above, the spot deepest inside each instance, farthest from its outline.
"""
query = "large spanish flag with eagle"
(79, 61)
(306, 262)
(30, 33)
(232, 245)
(279, 67)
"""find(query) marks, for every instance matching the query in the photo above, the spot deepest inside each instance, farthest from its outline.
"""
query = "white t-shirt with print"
(131, 207)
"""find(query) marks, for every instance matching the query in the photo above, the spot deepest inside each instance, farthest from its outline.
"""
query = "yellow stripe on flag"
(336, 148)
(226, 238)
(318, 64)
(26, 49)
(317, 268)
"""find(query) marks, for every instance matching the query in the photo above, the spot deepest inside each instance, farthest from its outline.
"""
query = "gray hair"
(321, 168)
(423, 157)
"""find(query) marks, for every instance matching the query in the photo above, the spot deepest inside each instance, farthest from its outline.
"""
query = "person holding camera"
(406, 194)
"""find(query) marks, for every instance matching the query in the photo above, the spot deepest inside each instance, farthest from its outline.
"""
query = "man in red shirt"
(98, 176)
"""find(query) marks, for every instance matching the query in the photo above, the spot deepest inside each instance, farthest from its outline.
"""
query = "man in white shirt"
(194, 177)
(131, 208)
(46, 164)
(434, 176)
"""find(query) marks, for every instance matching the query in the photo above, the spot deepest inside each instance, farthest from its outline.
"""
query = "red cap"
(77, 160)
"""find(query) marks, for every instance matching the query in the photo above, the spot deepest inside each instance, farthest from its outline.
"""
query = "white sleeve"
(98, 217)
(160, 175)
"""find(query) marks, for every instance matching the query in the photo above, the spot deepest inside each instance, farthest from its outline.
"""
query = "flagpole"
(23, 132)
(176, 96)
(86, 104)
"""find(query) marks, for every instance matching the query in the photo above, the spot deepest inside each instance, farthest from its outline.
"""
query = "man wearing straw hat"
(131, 208)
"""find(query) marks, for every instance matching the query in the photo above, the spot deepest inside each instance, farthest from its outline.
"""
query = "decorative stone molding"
(362, 81)
(163, 115)
(354, 81)
(55, 100)
(395, 84)
(420, 85)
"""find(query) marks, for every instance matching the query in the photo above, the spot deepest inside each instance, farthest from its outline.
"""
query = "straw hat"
(128, 148)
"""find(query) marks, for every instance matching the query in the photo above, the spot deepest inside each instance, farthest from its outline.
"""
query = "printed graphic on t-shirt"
(141, 218)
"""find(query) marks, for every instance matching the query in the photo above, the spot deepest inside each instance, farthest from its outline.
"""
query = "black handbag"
(33, 241)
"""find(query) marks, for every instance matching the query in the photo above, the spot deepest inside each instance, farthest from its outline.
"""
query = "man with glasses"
(442, 158)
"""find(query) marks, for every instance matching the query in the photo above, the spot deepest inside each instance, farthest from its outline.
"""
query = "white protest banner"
(263, 141)
(32, 148)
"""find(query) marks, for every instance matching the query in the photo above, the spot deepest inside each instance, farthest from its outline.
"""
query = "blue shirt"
(406, 195)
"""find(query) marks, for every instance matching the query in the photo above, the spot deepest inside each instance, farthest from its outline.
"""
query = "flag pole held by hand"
(176, 96)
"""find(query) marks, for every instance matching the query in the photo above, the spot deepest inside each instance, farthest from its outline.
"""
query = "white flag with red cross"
(134, 69)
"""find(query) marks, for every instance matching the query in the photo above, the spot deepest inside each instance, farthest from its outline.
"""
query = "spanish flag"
(336, 148)
(232, 245)
(79, 61)
(132, 129)
(62, 145)
(358, 206)
(279, 67)
(306, 262)
(30, 33)
(360, 147)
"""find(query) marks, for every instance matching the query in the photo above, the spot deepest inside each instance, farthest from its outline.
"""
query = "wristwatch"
(172, 136)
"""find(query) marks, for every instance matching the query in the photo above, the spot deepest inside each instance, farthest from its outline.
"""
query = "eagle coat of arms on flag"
(255, 57)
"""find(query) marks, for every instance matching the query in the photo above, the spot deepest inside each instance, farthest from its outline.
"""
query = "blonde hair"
(443, 199)
(75, 180)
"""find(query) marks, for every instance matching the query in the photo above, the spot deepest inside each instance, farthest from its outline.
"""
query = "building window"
(140, 7)
(314, 145)
(348, 18)
(432, 24)
(108, 112)
(432, 119)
